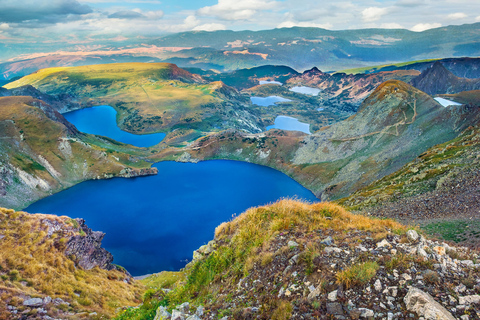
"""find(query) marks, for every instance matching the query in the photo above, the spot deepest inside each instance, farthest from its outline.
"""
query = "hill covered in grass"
(149, 97)
(42, 153)
(54, 267)
(293, 260)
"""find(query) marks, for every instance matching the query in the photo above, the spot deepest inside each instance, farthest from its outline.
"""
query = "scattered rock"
(33, 302)
(332, 296)
(384, 243)
(162, 314)
(328, 241)
(412, 236)
(467, 300)
(425, 306)
(292, 243)
(334, 308)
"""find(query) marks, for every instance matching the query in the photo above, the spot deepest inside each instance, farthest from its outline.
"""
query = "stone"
(162, 314)
(406, 277)
(288, 293)
(378, 285)
(440, 250)
(390, 316)
(58, 301)
(328, 241)
(332, 296)
(425, 306)
(366, 313)
(384, 244)
(200, 311)
(460, 288)
(294, 259)
(421, 252)
(314, 293)
(292, 244)
(194, 317)
(334, 308)
(281, 292)
(332, 249)
(184, 307)
(177, 315)
(33, 302)
(412, 236)
(47, 300)
(467, 300)
(464, 317)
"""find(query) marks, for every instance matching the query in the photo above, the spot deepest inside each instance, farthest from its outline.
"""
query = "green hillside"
(149, 97)
(42, 153)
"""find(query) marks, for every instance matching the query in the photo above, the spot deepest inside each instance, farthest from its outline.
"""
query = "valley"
(314, 174)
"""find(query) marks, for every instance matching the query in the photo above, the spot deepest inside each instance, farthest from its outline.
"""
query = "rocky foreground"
(298, 261)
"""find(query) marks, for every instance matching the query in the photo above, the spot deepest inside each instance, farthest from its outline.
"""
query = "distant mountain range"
(299, 48)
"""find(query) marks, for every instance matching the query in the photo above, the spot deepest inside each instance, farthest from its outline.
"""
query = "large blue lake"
(154, 223)
(102, 120)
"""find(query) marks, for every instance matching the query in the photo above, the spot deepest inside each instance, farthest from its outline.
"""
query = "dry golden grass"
(259, 224)
(33, 263)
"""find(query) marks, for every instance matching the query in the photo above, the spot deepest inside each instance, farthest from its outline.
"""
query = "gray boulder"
(33, 302)
(425, 306)
(162, 314)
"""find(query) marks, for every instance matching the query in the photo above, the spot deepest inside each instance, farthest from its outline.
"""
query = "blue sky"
(84, 19)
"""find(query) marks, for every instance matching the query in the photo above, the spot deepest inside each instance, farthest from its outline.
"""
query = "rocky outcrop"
(86, 249)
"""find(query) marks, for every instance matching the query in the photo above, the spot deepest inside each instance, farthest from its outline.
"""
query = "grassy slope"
(42, 153)
(437, 190)
(149, 97)
(32, 263)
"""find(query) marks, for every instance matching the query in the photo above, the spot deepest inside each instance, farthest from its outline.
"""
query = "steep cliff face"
(86, 249)
(438, 80)
(41, 153)
(56, 266)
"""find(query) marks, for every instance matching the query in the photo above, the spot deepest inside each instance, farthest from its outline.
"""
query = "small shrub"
(266, 258)
(358, 274)
(283, 311)
(431, 277)
(13, 275)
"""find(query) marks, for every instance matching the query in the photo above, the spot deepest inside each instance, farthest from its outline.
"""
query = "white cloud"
(4, 26)
(391, 25)
(373, 13)
(477, 19)
(425, 26)
(309, 24)
(210, 27)
(457, 16)
(237, 9)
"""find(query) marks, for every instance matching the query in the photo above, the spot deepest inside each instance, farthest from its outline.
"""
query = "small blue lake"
(290, 123)
(306, 90)
(102, 120)
(270, 82)
(268, 101)
(154, 223)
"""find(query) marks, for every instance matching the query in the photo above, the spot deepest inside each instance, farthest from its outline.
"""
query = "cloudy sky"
(80, 20)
